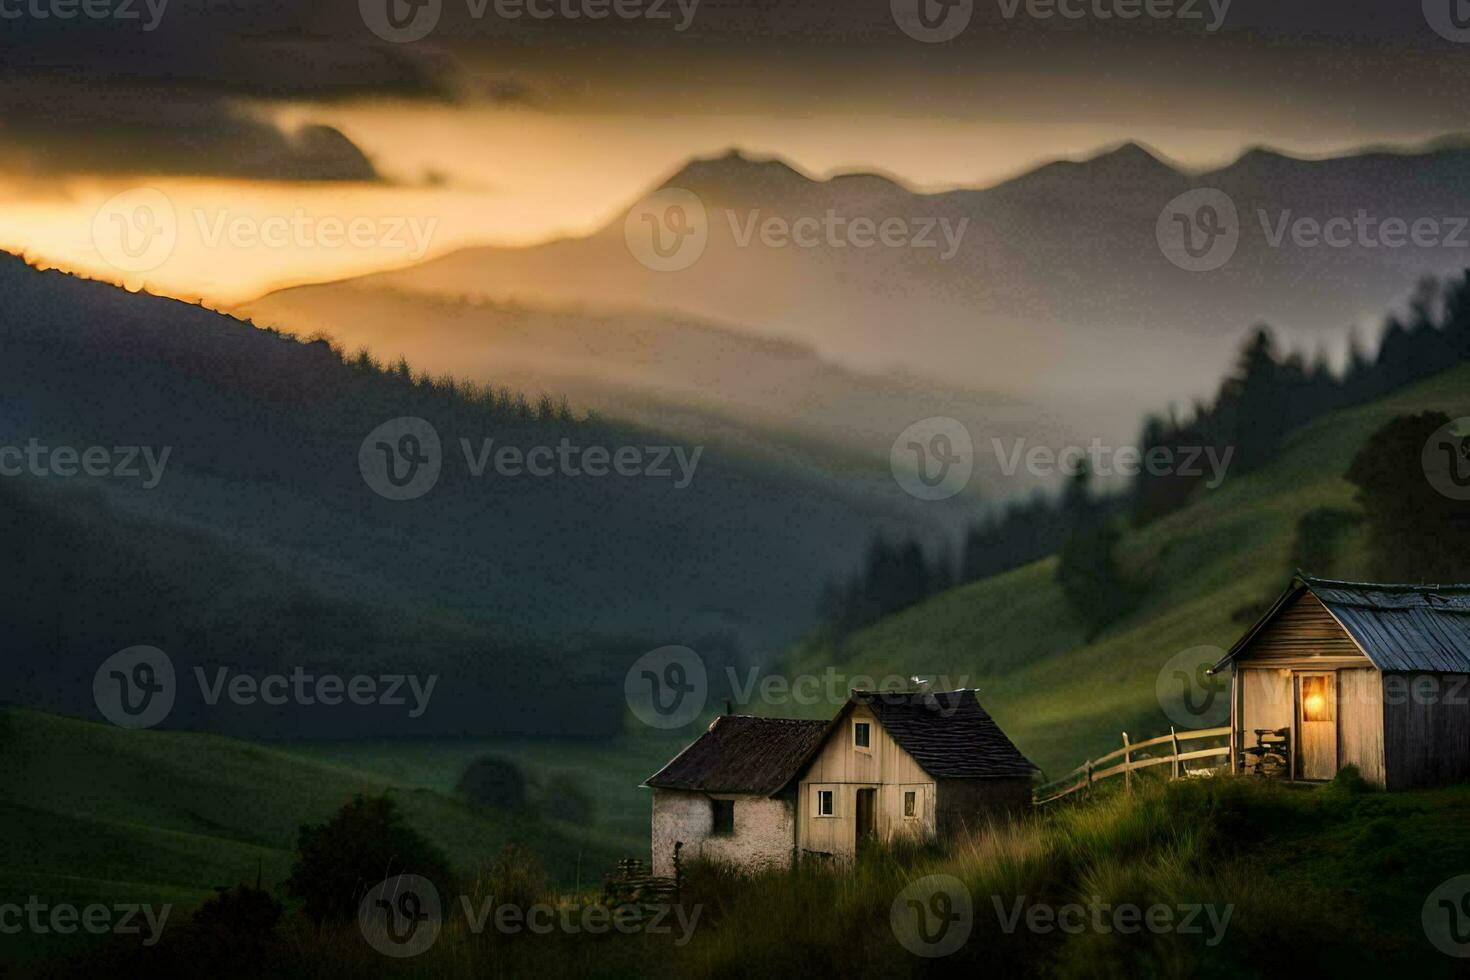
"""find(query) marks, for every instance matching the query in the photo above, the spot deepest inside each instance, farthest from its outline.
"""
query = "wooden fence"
(1136, 756)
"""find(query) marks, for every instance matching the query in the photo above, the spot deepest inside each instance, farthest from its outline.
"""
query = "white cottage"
(764, 792)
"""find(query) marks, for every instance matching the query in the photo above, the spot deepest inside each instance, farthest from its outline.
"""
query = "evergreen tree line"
(1266, 396)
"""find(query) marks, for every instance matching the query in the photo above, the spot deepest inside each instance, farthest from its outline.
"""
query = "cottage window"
(860, 734)
(824, 802)
(910, 803)
(724, 817)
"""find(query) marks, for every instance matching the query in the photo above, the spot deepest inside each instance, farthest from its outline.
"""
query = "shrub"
(494, 782)
(366, 842)
(237, 925)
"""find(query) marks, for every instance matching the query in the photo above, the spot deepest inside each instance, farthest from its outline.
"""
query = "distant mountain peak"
(1127, 156)
(738, 176)
(735, 172)
(1129, 162)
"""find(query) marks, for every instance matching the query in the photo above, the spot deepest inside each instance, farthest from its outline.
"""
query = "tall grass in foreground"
(1241, 879)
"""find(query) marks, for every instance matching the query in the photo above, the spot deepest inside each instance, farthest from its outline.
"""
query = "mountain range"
(1051, 289)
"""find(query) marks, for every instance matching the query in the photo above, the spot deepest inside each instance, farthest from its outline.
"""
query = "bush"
(339, 861)
(236, 925)
(496, 783)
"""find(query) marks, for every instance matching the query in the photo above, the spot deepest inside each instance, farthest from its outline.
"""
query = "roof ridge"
(798, 721)
(1312, 580)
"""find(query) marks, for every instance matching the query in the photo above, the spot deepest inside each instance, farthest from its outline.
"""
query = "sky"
(296, 142)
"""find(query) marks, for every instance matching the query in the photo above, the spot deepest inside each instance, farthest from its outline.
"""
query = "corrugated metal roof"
(1403, 627)
(1398, 627)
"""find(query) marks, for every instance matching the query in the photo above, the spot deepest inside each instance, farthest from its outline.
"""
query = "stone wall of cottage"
(765, 830)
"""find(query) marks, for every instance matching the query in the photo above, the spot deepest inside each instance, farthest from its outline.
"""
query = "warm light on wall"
(1315, 703)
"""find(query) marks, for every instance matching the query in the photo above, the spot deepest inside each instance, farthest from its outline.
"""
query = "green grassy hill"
(96, 813)
(1209, 565)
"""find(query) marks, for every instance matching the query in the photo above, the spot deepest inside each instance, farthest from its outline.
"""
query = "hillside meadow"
(1209, 568)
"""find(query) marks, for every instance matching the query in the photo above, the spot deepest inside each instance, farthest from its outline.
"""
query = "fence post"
(1174, 742)
(1089, 777)
(1127, 765)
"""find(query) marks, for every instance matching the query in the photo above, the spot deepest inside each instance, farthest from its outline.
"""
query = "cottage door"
(1316, 725)
(867, 811)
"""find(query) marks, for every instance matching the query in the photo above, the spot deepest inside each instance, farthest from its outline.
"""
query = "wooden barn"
(1346, 672)
(761, 792)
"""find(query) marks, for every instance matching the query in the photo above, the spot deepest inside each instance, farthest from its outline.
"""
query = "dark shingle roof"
(1398, 627)
(741, 754)
(947, 732)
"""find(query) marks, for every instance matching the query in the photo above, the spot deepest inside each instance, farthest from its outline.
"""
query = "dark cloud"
(1375, 67)
(70, 128)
